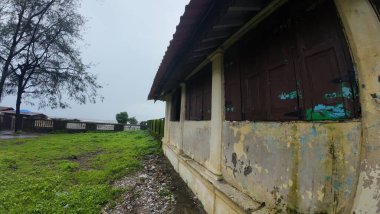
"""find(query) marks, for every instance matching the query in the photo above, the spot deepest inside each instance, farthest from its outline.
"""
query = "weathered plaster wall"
(308, 167)
(362, 27)
(196, 140)
(175, 136)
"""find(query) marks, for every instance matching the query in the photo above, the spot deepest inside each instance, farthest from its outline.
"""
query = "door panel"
(232, 78)
(282, 93)
(255, 88)
(207, 97)
(327, 101)
(295, 65)
(328, 92)
(282, 85)
(198, 95)
(176, 105)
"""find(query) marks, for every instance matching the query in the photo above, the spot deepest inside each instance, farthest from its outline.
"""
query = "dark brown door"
(326, 78)
(198, 95)
(282, 85)
(207, 94)
(254, 84)
(176, 105)
(232, 85)
(295, 65)
(198, 102)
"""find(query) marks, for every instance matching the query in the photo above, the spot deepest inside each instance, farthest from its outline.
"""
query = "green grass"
(68, 173)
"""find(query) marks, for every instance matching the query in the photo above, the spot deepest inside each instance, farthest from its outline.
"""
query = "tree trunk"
(4, 75)
(18, 125)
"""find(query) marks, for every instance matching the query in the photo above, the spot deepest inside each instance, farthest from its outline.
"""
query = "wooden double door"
(294, 66)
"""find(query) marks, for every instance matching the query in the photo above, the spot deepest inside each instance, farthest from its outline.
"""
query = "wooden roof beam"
(228, 25)
(248, 3)
(243, 8)
(214, 38)
(205, 48)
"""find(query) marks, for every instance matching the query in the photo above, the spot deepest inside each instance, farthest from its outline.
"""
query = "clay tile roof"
(188, 22)
(203, 27)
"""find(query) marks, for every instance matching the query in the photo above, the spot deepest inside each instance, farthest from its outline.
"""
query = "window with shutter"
(294, 66)
(327, 74)
(176, 105)
(232, 84)
(254, 84)
(207, 97)
(198, 96)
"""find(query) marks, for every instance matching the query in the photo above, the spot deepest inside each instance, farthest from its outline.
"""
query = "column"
(182, 114)
(362, 27)
(166, 139)
(217, 113)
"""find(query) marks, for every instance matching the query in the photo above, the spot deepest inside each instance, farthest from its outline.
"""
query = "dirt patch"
(19, 143)
(83, 160)
(155, 189)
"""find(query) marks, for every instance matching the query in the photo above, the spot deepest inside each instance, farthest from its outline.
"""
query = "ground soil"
(155, 189)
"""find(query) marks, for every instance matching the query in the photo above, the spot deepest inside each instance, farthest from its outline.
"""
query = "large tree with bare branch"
(39, 55)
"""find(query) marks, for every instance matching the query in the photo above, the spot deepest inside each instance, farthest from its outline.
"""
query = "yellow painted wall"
(362, 28)
(307, 167)
(328, 167)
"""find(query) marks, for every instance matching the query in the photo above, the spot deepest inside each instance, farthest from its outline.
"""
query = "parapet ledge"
(241, 199)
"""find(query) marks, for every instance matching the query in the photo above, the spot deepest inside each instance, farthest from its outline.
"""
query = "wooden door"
(207, 87)
(254, 80)
(232, 78)
(326, 73)
(282, 89)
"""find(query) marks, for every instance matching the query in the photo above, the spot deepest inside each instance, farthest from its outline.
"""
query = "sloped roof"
(28, 114)
(4, 108)
(203, 27)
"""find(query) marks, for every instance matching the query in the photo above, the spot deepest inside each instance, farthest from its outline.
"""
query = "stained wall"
(196, 140)
(296, 166)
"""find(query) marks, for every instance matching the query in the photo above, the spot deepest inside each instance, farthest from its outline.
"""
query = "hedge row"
(156, 127)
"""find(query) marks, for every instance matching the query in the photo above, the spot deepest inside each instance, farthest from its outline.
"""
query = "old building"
(274, 105)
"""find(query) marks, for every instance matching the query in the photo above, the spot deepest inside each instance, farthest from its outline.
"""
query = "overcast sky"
(126, 41)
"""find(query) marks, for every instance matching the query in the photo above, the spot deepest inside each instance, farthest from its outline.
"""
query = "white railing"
(43, 123)
(131, 127)
(103, 127)
(76, 126)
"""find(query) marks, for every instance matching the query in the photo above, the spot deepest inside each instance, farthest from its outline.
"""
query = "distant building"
(3, 108)
(26, 114)
(8, 117)
(130, 127)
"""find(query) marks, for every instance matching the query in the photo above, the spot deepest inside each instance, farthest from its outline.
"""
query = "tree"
(39, 54)
(143, 125)
(122, 117)
(132, 121)
(17, 18)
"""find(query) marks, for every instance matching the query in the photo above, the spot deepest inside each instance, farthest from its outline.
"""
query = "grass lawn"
(68, 173)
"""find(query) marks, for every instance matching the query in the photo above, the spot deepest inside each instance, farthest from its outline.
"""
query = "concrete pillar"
(362, 27)
(166, 139)
(217, 113)
(182, 115)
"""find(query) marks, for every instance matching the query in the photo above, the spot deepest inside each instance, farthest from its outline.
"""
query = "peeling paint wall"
(297, 166)
(362, 27)
(196, 140)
